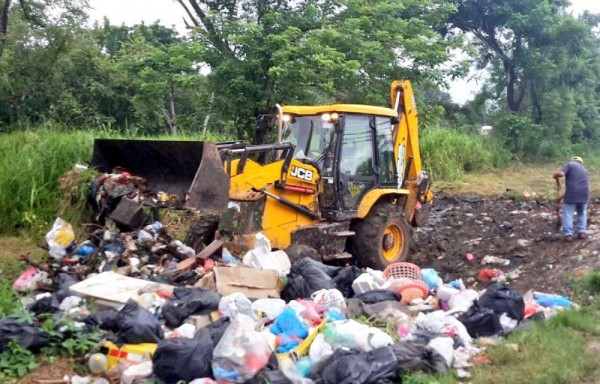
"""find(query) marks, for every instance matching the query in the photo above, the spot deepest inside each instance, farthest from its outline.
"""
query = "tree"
(262, 52)
(539, 57)
(159, 69)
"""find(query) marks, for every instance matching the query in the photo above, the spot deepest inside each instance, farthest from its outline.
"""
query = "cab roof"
(339, 108)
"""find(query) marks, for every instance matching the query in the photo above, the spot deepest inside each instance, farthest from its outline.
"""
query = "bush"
(447, 153)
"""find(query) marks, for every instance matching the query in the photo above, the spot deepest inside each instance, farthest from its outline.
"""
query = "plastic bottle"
(97, 363)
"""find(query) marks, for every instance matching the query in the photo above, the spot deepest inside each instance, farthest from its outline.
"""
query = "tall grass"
(31, 163)
(447, 153)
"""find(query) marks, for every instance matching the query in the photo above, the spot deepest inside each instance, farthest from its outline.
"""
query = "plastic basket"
(405, 278)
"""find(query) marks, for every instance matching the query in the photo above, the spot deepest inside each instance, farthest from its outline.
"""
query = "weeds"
(9, 302)
(66, 339)
(16, 361)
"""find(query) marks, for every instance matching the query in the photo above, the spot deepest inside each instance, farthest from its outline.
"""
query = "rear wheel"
(382, 238)
(202, 232)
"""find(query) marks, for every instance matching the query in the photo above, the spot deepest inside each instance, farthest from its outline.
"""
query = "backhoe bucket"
(192, 168)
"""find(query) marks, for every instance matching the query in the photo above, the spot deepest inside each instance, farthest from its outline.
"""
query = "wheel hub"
(388, 241)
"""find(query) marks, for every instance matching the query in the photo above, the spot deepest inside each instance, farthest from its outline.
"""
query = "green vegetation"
(16, 361)
(447, 154)
(31, 164)
(9, 302)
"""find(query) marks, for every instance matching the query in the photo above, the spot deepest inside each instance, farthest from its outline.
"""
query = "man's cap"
(577, 158)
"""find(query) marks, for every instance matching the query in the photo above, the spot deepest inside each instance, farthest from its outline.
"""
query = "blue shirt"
(577, 183)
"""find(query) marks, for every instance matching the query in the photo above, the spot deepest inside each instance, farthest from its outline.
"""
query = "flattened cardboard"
(254, 283)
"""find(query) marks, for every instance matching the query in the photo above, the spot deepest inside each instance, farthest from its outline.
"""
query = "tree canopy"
(241, 57)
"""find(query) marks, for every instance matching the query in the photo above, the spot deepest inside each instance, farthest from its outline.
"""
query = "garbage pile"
(170, 315)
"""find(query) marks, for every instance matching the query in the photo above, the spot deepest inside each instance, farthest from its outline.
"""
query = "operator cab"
(352, 146)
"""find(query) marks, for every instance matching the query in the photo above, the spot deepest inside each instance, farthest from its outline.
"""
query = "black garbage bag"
(306, 277)
(355, 367)
(189, 301)
(383, 362)
(414, 356)
(296, 288)
(216, 329)
(499, 298)
(344, 367)
(378, 295)
(481, 321)
(344, 278)
(137, 325)
(297, 252)
(28, 336)
(107, 320)
(62, 283)
(48, 304)
(311, 264)
(184, 359)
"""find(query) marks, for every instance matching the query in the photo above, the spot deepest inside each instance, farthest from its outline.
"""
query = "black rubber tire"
(367, 243)
(202, 232)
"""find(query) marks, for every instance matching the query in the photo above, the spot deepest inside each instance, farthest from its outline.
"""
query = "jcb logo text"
(301, 173)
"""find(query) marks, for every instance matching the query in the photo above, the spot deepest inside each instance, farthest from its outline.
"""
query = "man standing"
(576, 197)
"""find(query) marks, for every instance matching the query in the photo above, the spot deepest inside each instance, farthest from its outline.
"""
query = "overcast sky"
(170, 13)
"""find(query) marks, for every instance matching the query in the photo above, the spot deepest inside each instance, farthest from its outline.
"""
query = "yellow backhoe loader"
(344, 179)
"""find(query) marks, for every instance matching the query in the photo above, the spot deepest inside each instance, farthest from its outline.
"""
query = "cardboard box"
(254, 283)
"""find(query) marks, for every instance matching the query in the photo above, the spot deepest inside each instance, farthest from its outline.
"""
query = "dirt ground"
(521, 231)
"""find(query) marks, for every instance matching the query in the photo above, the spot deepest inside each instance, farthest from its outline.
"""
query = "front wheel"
(382, 238)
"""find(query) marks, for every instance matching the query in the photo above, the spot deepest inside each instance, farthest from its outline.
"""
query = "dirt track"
(523, 232)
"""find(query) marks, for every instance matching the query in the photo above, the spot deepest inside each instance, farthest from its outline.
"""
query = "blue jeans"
(567, 215)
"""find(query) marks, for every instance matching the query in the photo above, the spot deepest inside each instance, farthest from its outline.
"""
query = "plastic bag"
(306, 277)
(444, 346)
(501, 300)
(481, 321)
(329, 300)
(271, 308)
(30, 280)
(241, 353)
(236, 304)
(319, 349)
(62, 283)
(107, 320)
(60, 239)
(137, 372)
(353, 367)
(276, 260)
(378, 295)
(355, 335)
(343, 367)
(188, 301)
(289, 324)
(184, 359)
(344, 279)
(47, 304)
(431, 278)
(28, 336)
(137, 325)
(413, 356)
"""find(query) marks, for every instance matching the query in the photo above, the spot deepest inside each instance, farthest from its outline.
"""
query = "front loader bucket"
(176, 167)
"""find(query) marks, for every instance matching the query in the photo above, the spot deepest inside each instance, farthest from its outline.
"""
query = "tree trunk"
(207, 117)
(171, 115)
(4, 25)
